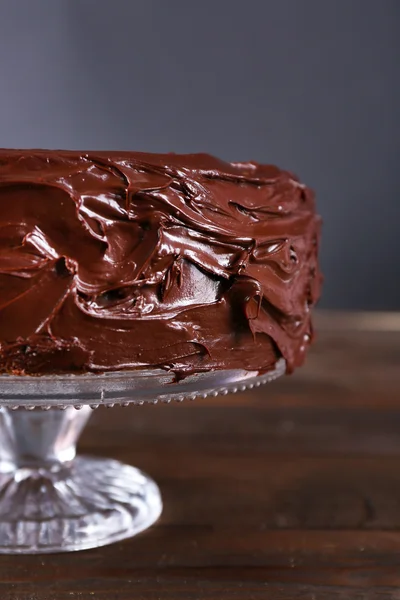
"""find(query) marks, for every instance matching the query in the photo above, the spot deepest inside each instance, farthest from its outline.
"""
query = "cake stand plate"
(51, 501)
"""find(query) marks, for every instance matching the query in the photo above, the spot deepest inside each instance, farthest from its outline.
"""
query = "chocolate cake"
(123, 260)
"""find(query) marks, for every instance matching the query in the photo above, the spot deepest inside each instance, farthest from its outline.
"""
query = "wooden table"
(291, 491)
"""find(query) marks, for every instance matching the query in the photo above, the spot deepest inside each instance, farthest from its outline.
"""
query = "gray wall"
(311, 85)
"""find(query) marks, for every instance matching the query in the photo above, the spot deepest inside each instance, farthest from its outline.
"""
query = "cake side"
(114, 261)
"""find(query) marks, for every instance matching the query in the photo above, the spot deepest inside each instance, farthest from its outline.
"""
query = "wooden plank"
(163, 435)
(206, 586)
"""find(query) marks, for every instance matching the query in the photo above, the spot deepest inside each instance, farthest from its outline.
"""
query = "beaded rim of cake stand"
(240, 385)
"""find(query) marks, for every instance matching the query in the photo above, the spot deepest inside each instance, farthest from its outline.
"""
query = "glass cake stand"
(51, 501)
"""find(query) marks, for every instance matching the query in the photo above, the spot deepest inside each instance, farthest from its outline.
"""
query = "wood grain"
(288, 492)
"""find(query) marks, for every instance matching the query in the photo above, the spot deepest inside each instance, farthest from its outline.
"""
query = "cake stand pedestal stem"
(40, 439)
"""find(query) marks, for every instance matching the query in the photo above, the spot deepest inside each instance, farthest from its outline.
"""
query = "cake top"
(212, 185)
(111, 230)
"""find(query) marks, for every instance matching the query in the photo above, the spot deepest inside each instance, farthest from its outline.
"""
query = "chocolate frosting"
(123, 260)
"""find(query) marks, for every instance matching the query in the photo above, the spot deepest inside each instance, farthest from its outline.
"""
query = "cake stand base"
(92, 503)
(51, 501)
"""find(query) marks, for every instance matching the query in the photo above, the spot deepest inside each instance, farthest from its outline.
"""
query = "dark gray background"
(311, 85)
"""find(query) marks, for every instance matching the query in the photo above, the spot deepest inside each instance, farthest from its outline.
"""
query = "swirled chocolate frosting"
(123, 260)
